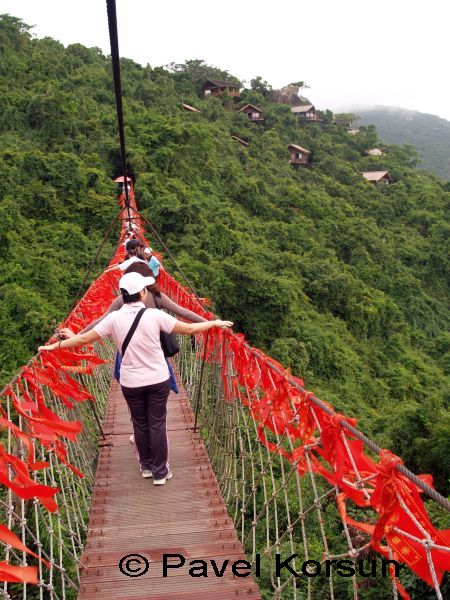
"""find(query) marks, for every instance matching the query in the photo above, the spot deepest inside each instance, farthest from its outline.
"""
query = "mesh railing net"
(57, 537)
(284, 507)
(51, 415)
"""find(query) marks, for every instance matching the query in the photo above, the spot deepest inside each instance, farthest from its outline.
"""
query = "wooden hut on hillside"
(300, 157)
(378, 177)
(253, 113)
(215, 87)
(306, 113)
(373, 152)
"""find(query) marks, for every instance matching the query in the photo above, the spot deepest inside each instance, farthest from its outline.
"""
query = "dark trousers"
(148, 409)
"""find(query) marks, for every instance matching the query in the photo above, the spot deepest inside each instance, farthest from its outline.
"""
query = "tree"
(345, 283)
(199, 70)
(301, 85)
(260, 85)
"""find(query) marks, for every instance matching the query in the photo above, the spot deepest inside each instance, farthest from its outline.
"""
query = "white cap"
(148, 251)
(134, 282)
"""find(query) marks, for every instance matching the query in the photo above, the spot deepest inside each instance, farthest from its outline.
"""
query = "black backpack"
(168, 341)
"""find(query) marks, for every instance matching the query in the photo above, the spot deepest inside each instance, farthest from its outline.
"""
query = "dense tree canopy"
(343, 282)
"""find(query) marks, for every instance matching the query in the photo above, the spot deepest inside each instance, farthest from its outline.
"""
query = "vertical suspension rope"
(115, 59)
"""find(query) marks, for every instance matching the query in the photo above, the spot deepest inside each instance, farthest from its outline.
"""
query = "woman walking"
(155, 299)
(144, 375)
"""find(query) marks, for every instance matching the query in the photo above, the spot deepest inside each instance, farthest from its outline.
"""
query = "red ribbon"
(17, 574)
(10, 538)
(391, 486)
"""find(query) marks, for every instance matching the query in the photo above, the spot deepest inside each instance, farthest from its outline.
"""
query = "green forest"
(430, 135)
(340, 280)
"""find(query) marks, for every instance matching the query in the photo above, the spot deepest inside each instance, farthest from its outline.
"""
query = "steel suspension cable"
(112, 23)
(269, 500)
(115, 59)
(358, 434)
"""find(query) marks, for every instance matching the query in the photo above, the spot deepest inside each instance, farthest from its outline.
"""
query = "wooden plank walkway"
(186, 516)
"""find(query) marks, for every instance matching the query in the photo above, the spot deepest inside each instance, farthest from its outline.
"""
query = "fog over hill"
(429, 134)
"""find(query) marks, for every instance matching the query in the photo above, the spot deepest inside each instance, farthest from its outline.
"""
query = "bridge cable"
(164, 246)
(115, 59)
(83, 284)
(431, 492)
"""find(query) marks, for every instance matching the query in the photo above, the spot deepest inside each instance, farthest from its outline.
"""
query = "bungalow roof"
(299, 148)
(375, 175)
(374, 152)
(189, 107)
(238, 139)
(250, 106)
(220, 83)
(302, 109)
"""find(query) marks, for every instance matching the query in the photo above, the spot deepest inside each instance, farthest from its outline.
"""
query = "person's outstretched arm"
(180, 311)
(193, 328)
(77, 340)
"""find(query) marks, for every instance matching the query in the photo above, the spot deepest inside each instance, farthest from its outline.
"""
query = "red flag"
(17, 574)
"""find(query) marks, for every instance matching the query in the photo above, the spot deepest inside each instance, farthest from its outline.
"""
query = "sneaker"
(164, 479)
(146, 473)
(132, 438)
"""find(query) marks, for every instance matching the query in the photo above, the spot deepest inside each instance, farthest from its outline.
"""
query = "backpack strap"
(130, 334)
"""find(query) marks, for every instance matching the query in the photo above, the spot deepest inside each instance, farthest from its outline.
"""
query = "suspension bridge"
(263, 471)
(274, 494)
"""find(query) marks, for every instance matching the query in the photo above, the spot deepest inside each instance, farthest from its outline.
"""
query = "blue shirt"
(154, 265)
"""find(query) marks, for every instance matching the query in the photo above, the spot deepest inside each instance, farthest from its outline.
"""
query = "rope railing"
(330, 445)
(51, 417)
(286, 497)
(309, 437)
(44, 450)
(192, 300)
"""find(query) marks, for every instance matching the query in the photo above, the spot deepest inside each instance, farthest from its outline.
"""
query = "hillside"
(341, 281)
(430, 135)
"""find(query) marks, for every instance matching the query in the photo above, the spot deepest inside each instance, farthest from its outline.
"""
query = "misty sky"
(350, 52)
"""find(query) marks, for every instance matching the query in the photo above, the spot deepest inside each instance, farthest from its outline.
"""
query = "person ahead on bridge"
(153, 262)
(139, 248)
(144, 375)
(132, 255)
